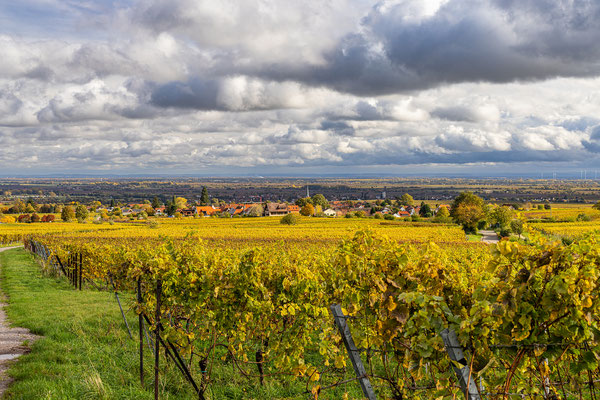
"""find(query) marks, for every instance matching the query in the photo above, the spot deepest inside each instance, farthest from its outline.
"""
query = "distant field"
(572, 229)
(327, 231)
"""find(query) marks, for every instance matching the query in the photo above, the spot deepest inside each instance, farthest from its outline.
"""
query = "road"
(489, 237)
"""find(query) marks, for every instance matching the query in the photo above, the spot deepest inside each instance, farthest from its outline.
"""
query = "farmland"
(250, 297)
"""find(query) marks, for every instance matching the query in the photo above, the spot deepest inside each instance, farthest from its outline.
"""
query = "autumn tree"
(502, 216)
(67, 214)
(406, 200)
(180, 202)
(307, 210)
(467, 210)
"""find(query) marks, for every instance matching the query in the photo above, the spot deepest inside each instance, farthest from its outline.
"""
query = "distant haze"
(307, 88)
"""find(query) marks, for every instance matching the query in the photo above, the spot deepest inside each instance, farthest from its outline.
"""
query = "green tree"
(301, 202)
(155, 202)
(425, 210)
(406, 200)
(502, 216)
(67, 214)
(516, 225)
(320, 200)
(307, 210)
(596, 206)
(29, 208)
(204, 199)
(81, 213)
(117, 212)
(467, 210)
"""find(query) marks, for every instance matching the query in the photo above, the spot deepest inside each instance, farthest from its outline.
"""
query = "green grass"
(86, 353)
(474, 237)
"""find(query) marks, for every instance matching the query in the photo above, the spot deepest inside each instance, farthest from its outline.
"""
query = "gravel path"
(489, 237)
(11, 342)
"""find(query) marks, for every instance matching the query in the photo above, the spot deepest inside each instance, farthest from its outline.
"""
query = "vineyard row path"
(11, 341)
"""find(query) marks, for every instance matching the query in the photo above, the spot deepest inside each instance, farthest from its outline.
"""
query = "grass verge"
(85, 352)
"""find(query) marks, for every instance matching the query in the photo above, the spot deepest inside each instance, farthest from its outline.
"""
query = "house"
(293, 209)
(330, 212)
(188, 212)
(160, 210)
(402, 214)
(276, 209)
(206, 211)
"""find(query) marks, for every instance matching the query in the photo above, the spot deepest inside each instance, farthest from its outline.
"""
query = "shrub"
(504, 232)
(290, 219)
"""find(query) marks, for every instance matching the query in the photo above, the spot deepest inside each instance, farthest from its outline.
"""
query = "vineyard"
(264, 300)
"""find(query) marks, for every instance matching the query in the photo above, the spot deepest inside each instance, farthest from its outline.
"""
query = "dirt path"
(11, 342)
(489, 237)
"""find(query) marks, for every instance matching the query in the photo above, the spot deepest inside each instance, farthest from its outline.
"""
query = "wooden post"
(80, 269)
(455, 352)
(141, 327)
(157, 341)
(353, 353)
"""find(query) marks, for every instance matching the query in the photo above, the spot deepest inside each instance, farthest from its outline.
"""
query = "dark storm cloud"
(465, 41)
(197, 93)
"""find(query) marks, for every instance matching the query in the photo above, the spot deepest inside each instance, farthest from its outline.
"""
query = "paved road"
(489, 237)
(11, 341)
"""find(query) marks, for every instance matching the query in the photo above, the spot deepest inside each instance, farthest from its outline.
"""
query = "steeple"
(307, 192)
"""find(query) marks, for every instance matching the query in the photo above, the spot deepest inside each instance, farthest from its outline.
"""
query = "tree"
(67, 214)
(406, 200)
(516, 225)
(255, 211)
(95, 204)
(468, 215)
(155, 202)
(81, 213)
(320, 200)
(467, 210)
(204, 199)
(35, 218)
(18, 206)
(502, 216)
(301, 202)
(117, 212)
(171, 208)
(180, 202)
(307, 210)
(112, 203)
(425, 211)
(442, 215)
(29, 208)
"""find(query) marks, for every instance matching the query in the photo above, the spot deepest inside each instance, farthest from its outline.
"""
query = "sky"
(313, 87)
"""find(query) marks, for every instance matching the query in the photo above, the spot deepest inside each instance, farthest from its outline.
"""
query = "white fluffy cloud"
(193, 86)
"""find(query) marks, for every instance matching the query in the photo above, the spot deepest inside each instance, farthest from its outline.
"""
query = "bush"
(505, 232)
(290, 219)
(583, 217)
(415, 218)
(378, 216)
(349, 215)
(389, 217)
